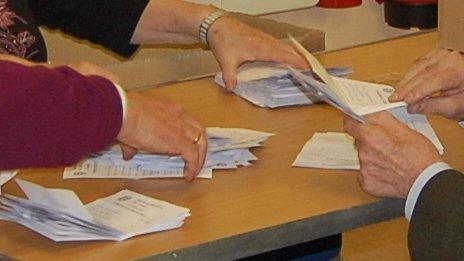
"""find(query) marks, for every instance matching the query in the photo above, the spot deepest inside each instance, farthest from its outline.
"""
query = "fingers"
(229, 74)
(440, 71)
(420, 64)
(352, 127)
(194, 147)
(405, 87)
(390, 125)
(202, 146)
(127, 151)
(447, 106)
(431, 84)
(190, 155)
(234, 43)
(282, 53)
(202, 143)
(163, 128)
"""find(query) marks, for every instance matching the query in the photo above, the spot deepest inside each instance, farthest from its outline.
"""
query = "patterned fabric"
(19, 34)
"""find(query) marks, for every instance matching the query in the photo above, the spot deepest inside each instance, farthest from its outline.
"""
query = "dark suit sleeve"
(436, 230)
(110, 23)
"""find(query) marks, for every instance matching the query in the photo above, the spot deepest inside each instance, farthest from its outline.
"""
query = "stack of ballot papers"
(337, 151)
(228, 148)
(59, 214)
(5, 176)
(329, 150)
(270, 85)
(354, 98)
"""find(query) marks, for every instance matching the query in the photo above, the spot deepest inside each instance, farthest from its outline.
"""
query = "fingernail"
(393, 97)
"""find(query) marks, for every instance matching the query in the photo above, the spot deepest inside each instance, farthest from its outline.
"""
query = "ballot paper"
(59, 214)
(354, 98)
(270, 85)
(5, 176)
(329, 150)
(228, 148)
(337, 151)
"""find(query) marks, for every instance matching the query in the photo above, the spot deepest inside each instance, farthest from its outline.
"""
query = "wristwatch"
(207, 22)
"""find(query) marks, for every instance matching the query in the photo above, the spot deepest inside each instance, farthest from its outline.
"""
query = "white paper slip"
(270, 85)
(59, 214)
(228, 148)
(329, 150)
(354, 98)
(461, 123)
(333, 150)
(420, 124)
(6, 176)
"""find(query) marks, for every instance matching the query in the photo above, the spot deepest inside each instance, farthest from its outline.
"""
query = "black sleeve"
(110, 23)
(436, 231)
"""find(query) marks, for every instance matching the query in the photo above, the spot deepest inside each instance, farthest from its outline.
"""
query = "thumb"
(127, 151)
(229, 74)
(388, 122)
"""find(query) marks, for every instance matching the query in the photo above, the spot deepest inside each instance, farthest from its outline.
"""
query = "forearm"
(54, 117)
(170, 21)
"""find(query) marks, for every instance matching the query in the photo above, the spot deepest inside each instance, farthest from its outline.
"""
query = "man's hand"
(162, 127)
(234, 43)
(435, 85)
(391, 154)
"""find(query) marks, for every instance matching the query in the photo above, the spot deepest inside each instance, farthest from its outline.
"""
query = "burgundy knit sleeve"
(54, 117)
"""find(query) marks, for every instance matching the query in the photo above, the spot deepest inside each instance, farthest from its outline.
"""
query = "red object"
(338, 3)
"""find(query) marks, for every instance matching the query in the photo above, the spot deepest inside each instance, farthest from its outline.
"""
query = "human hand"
(391, 155)
(234, 43)
(162, 127)
(435, 85)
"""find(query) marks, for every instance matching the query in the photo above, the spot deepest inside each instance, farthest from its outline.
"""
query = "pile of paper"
(60, 215)
(329, 150)
(271, 85)
(5, 176)
(228, 148)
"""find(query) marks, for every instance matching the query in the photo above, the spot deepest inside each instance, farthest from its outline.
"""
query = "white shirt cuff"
(122, 94)
(420, 182)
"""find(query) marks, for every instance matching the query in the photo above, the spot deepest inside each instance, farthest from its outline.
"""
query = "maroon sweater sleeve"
(53, 117)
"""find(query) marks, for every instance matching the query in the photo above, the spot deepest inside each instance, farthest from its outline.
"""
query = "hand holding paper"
(354, 98)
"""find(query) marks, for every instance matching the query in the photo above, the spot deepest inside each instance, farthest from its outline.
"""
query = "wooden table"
(253, 209)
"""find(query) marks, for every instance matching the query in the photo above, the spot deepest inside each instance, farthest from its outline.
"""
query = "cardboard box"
(451, 24)
(157, 65)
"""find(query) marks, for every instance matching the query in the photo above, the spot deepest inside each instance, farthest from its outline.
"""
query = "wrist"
(128, 120)
(200, 12)
(205, 28)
